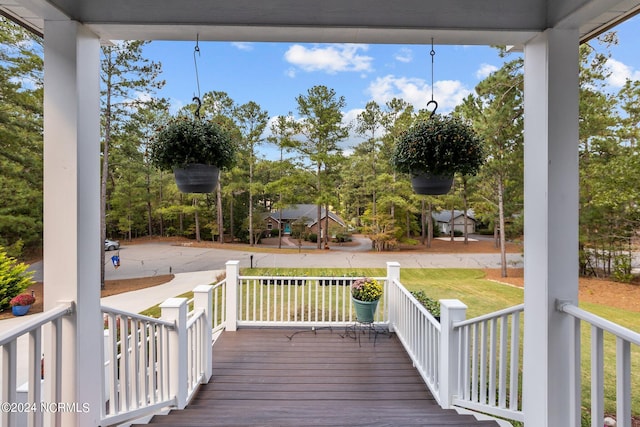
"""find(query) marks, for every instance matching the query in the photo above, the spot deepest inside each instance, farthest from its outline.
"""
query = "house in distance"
(306, 215)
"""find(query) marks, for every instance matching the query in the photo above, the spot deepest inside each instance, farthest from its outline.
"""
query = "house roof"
(445, 216)
(293, 213)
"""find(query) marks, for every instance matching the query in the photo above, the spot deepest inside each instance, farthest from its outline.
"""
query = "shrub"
(313, 237)
(458, 233)
(342, 237)
(14, 278)
(274, 232)
(622, 268)
(430, 304)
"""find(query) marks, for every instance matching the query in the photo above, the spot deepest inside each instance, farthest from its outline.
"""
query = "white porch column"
(72, 209)
(551, 224)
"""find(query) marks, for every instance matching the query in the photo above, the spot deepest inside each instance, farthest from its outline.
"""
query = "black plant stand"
(357, 329)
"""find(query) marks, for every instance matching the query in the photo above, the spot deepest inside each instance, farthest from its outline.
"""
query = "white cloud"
(243, 45)
(175, 105)
(485, 70)
(331, 59)
(290, 72)
(350, 117)
(620, 72)
(416, 91)
(404, 55)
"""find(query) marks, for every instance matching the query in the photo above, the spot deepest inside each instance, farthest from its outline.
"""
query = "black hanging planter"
(431, 184)
(196, 178)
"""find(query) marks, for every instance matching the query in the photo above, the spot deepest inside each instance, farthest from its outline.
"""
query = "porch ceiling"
(510, 22)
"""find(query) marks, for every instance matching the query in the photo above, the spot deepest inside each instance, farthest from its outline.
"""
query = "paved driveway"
(163, 258)
(153, 259)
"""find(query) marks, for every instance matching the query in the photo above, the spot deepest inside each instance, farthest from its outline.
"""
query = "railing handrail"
(415, 302)
(35, 321)
(605, 325)
(139, 317)
(269, 277)
(193, 317)
(489, 316)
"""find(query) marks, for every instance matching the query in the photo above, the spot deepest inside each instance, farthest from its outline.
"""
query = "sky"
(274, 74)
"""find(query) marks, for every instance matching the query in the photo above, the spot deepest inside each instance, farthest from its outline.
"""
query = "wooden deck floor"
(273, 377)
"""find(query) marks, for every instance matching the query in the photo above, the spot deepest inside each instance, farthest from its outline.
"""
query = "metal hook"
(434, 108)
(196, 99)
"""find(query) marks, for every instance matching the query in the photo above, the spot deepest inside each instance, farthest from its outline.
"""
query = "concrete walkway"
(137, 301)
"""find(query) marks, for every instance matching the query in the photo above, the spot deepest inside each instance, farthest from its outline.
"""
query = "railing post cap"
(452, 304)
(173, 302)
(202, 288)
(393, 264)
(233, 262)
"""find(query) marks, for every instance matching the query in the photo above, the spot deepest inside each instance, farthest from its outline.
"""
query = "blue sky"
(274, 74)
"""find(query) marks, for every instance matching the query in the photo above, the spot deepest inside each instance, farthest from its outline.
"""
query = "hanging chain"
(196, 50)
(433, 54)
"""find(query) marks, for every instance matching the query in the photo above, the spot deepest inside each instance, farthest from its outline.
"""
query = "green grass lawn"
(483, 296)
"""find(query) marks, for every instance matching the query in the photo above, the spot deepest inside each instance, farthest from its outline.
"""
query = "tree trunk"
(319, 226)
(466, 208)
(219, 208)
(451, 232)
(197, 219)
(103, 185)
(408, 224)
(326, 226)
(149, 210)
(280, 223)
(252, 240)
(430, 225)
(503, 249)
(161, 196)
(423, 220)
(319, 209)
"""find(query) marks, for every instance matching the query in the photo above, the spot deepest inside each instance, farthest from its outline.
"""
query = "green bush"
(14, 278)
(430, 304)
(485, 231)
(622, 268)
(274, 232)
(342, 237)
(457, 233)
(313, 237)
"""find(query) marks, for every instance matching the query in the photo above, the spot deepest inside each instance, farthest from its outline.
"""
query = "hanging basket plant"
(194, 150)
(434, 150)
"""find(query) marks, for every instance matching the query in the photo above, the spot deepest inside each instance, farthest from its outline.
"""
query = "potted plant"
(20, 304)
(433, 150)
(195, 150)
(365, 294)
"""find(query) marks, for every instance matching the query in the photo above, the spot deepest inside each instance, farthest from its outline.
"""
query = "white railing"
(153, 363)
(624, 340)
(136, 364)
(31, 329)
(489, 353)
(419, 333)
(299, 301)
(219, 313)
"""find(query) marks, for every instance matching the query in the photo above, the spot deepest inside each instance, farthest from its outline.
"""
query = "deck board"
(271, 377)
